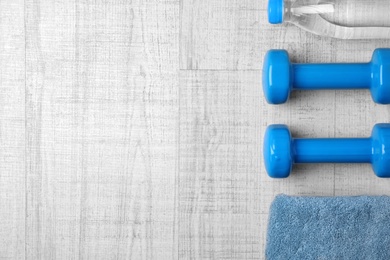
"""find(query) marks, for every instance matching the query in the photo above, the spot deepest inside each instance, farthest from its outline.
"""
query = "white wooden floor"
(133, 129)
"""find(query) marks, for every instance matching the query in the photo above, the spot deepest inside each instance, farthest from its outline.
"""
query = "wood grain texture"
(102, 128)
(219, 184)
(12, 130)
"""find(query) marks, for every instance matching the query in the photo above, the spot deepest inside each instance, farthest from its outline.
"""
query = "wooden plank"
(224, 191)
(219, 182)
(12, 130)
(102, 129)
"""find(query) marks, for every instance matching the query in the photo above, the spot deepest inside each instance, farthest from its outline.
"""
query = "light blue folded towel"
(329, 228)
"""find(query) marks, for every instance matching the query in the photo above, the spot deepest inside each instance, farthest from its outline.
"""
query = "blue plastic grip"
(280, 76)
(331, 76)
(281, 151)
(334, 150)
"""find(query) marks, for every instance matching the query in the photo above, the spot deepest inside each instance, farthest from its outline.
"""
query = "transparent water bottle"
(343, 19)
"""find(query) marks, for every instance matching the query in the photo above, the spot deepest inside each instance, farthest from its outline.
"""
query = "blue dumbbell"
(281, 151)
(280, 76)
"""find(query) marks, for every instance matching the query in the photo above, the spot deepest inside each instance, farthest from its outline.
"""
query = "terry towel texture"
(329, 228)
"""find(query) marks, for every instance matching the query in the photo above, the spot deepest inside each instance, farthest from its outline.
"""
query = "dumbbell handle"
(331, 76)
(334, 150)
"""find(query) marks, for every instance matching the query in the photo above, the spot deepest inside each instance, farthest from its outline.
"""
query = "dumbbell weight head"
(277, 151)
(381, 150)
(380, 76)
(277, 76)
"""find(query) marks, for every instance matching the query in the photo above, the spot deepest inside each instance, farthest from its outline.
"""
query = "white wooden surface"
(133, 129)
